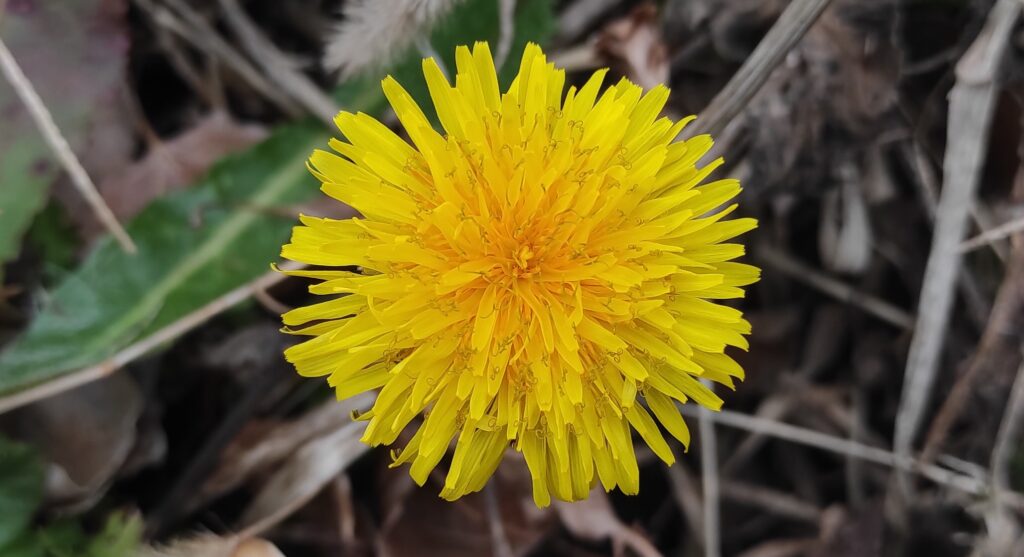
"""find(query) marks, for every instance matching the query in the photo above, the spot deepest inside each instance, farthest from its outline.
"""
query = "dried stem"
(709, 482)
(853, 449)
(278, 66)
(787, 31)
(992, 346)
(1009, 436)
(1000, 232)
(499, 540)
(144, 346)
(182, 20)
(51, 133)
(839, 290)
(507, 31)
(971, 106)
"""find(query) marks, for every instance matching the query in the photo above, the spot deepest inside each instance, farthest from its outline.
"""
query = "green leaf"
(21, 489)
(24, 191)
(120, 537)
(199, 243)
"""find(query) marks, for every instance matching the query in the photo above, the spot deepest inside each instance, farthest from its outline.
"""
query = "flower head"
(542, 275)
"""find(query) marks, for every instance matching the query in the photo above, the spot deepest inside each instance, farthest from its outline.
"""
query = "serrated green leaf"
(199, 243)
(21, 489)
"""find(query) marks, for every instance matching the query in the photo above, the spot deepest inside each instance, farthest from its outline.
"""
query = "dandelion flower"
(542, 275)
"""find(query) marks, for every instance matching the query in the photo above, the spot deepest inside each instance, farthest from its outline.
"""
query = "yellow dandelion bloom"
(540, 276)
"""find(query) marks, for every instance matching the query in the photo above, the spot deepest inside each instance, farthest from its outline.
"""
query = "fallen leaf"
(634, 44)
(313, 466)
(463, 528)
(74, 54)
(86, 434)
(262, 447)
(173, 164)
(594, 520)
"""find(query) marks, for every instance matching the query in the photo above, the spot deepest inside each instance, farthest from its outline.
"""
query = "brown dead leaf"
(634, 44)
(214, 546)
(462, 528)
(312, 467)
(594, 520)
(262, 446)
(173, 164)
(86, 435)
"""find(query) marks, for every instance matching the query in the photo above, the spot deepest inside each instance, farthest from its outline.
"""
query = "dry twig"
(507, 31)
(998, 333)
(144, 346)
(1000, 232)
(971, 106)
(281, 69)
(780, 503)
(51, 133)
(839, 290)
(803, 436)
(734, 97)
(709, 481)
(182, 20)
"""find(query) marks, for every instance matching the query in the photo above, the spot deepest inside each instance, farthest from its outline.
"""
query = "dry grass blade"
(374, 32)
(995, 345)
(277, 65)
(971, 106)
(962, 482)
(777, 502)
(506, 30)
(1009, 436)
(1002, 525)
(687, 496)
(144, 346)
(301, 478)
(709, 481)
(999, 232)
(51, 133)
(839, 290)
(734, 97)
(182, 20)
